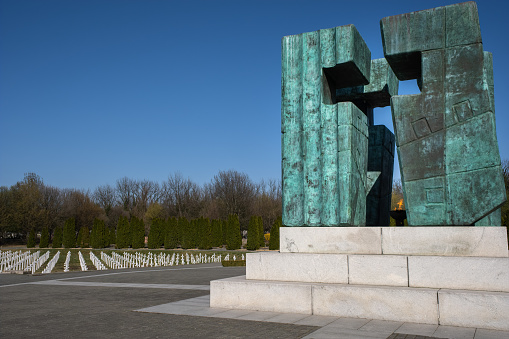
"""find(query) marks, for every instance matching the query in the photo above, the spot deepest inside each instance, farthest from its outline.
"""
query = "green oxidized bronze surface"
(446, 138)
(330, 86)
(337, 166)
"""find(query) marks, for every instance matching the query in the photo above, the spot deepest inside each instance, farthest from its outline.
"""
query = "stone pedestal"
(455, 276)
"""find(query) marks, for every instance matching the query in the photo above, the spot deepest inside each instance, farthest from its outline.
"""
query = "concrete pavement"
(171, 302)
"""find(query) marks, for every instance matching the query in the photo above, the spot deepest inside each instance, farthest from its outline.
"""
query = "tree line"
(32, 205)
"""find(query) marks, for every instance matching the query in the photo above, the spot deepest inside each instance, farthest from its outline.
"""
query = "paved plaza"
(171, 302)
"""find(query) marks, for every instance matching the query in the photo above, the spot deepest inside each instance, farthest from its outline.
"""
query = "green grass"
(231, 263)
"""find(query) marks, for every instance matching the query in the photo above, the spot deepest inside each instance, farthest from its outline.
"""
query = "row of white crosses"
(82, 262)
(66, 263)
(97, 263)
(234, 258)
(51, 263)
(110, 261)
(38, 263)
(9, 258)
(137, 259)
(32, 262)
(10, 261)
(21, 261)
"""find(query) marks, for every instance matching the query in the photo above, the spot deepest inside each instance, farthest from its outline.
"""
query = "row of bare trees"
(30, 204)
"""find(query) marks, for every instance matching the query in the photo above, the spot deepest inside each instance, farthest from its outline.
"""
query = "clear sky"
(92, 91)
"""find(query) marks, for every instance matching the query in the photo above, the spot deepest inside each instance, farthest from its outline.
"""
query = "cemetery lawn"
(74, 262)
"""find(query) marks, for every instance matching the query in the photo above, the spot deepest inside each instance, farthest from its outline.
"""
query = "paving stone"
(233, 314)
(258, 316)
(170, 308)
(346, 333)
(287, 318)
(490, 334)
(381, 325)
(409, 336)
(453, 332)
(316, 320)
(350, 323)
(417, 329)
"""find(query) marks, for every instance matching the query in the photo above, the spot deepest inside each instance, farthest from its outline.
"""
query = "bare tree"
(28, 211)
(125, 192)
(268, 202)
(182, 197)
(80, 206)
(52, 202)
(146, 192)
(210, 205)
(235, 194)
(104, 196)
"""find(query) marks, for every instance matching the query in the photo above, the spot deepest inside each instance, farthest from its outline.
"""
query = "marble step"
(408, 304)
(455, 241)
(470, 273)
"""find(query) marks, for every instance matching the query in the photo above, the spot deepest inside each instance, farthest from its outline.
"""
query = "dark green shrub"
(204, 234)
(231, 263)
(44, 238)
(85, 240)
(217, 233)
(97, 234)
(106, 234)
(31, 239)
(253, 239)
(57, 238)
(79, 239)
(113, 236)
(233, 237)
(187, 233)
(170, 237)
(69, 238)
(137, 233)
(274, 235)
(83, 237)
(224, 229)
(261, 232)
(195, 234)
(123, 233)
(156, 233)
(182, 224)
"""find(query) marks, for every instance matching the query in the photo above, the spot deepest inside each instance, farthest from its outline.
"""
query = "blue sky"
(92, 91)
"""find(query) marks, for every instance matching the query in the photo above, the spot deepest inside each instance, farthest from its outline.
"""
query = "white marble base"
(457, 276)
(385, 270)
(418, 305)
(481, 309)
(470, 273)
(461, 273)
(443, 241)
(303, 267)
(269, 296)
(474, 309)
(337, 240)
